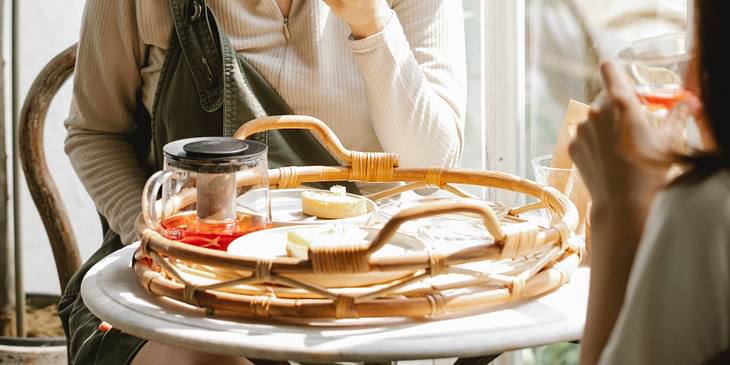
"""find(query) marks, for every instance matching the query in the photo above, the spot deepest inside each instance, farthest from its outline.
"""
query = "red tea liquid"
(185, 227)
(660, 99)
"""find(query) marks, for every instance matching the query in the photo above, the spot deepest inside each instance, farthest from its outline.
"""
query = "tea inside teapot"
(198, 188)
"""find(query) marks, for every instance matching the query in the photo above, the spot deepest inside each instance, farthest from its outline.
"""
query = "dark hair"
(712, 37)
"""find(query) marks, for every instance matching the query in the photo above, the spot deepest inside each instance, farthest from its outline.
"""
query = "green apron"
(205, 89)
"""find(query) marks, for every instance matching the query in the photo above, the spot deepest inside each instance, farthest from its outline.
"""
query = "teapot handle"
(152, 212)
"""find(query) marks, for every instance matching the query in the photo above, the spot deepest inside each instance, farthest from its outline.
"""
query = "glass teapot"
(198, 188)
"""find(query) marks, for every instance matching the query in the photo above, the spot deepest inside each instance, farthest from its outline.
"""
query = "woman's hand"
(614, 149)
(365, 17)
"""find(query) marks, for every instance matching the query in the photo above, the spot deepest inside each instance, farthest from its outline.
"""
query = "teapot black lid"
(203, 153)
(215, 147)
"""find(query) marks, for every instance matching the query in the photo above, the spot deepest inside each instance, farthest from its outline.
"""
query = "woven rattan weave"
(520, 260)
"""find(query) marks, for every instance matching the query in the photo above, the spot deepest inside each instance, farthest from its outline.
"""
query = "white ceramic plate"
(271, 243)
(286, 207)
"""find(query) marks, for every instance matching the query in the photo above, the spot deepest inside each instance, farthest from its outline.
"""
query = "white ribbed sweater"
(401, 90)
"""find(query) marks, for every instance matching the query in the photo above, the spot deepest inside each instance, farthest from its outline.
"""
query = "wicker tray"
(519, 260)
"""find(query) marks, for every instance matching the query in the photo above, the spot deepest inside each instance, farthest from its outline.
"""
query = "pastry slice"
(299, 240)
(333, 204)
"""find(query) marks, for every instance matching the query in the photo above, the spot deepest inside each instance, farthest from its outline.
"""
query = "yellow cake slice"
(299, 240)
(333, 204)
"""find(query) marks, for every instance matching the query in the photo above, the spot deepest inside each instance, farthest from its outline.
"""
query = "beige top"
(677, 306)
(401, 90)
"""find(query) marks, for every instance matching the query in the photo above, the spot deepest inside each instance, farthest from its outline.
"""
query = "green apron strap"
(194, 28)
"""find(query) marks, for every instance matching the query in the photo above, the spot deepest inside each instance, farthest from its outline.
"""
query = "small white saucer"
(286, 207)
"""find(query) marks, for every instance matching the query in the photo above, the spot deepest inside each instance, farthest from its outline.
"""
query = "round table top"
(111, 292)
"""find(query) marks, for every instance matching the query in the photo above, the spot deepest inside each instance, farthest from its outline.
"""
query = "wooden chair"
(32, 156)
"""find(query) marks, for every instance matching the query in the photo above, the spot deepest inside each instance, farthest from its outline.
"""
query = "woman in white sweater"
(385, 75)
(394, 83)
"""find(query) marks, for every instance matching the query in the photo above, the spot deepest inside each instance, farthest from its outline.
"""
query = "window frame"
(503, 88)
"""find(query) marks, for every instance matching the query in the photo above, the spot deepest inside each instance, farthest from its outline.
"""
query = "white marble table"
(112, 293)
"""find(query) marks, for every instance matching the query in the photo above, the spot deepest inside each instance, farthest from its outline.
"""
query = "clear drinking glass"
(656, 67)
(564, 180)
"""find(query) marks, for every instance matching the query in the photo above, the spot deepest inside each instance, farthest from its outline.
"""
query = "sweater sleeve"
(414, 72)
(100, 123)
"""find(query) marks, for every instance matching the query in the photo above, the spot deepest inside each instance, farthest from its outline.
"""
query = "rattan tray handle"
(366, 166)
(356, 258)
(318, 127)
(491, 222)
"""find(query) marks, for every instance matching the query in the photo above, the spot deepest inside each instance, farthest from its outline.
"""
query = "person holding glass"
(385, 75)
(660, 288)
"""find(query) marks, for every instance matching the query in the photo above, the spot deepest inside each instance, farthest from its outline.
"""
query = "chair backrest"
(32, 156)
